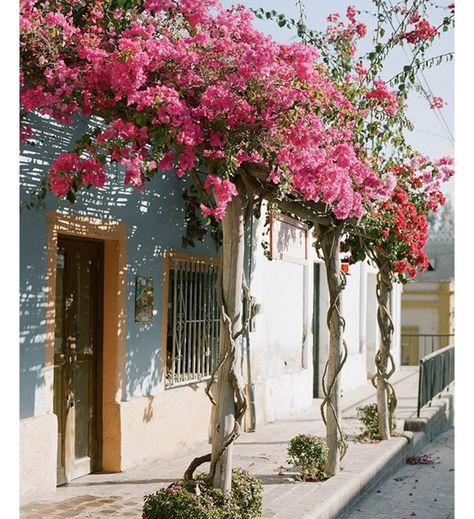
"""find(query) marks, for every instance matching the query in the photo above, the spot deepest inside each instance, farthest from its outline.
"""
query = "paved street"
(99, 496)
(421, 491)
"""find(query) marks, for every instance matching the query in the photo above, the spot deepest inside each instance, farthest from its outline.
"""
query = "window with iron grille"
(193, 320)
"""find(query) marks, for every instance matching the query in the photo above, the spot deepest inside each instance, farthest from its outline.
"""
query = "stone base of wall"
(38, 453)
(153, 427)
(156, 427)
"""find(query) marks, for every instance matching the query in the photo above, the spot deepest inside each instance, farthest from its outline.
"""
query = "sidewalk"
(263, 453)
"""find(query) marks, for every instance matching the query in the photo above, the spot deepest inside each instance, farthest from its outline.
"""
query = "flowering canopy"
(189, 85)
(397, 231)
(393, 230)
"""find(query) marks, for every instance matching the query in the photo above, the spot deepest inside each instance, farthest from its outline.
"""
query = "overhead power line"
(433, 134)
(438, 113)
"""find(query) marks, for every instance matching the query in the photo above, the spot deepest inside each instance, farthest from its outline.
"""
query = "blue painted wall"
(155, 223)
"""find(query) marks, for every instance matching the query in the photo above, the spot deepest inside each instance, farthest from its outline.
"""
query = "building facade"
(428, 302)
(119, 324)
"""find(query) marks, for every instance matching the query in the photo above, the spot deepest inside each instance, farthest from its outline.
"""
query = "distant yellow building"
(428, 303)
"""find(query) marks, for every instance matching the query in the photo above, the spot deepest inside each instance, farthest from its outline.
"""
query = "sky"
(430, 137)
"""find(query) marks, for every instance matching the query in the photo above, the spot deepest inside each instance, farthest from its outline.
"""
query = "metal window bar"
(193, 321)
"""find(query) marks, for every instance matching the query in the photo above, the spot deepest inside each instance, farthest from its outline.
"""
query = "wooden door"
(77, 373)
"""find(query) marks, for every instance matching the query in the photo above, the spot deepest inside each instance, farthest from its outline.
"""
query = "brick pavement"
(415, 491)
(263, 452)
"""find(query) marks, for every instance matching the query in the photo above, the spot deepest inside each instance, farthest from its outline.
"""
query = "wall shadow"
(155, 223)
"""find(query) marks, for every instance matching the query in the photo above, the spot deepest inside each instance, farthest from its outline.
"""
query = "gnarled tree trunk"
(386, 400)
(329, 242)
(230, 398)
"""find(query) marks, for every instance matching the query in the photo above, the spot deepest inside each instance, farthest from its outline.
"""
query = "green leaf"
(71, 197)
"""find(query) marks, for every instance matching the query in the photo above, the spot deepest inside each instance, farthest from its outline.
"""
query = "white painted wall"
(359, 309)
(397, 323)
(373, 334)
(38, 448)
(281, 340)
(354, 372)
(362, 334)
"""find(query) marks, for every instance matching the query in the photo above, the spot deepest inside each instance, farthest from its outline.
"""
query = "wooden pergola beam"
(314, 212)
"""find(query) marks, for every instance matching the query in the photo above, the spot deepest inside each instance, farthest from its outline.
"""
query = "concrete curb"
(338, 495)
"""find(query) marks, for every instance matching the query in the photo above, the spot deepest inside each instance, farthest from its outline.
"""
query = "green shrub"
(309, 453)
(247, 493)
(368, 415)
(179, 501)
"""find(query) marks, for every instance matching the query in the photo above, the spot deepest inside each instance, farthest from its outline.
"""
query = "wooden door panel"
(78, 334)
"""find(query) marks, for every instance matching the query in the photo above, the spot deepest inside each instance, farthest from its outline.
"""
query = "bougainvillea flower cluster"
(68, 166)
(398, 227)
(436, 103)
(344, 33)
(422, 30)
(224, 190)
(385, 98)
(188, 84)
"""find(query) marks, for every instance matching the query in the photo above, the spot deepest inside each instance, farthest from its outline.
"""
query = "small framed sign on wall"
(288, 239)
(143, 300)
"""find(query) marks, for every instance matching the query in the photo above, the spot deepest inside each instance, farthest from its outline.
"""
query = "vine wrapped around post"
(329, 240)
(230, 399)
(385, 365)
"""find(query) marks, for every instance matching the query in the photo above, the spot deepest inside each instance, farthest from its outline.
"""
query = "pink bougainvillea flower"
(436, 102)
(61, 175)
(422, 31)
(224, 190)
(188, 83)
(93, 173)
(167, 162)
(25, 132)
(386, 99)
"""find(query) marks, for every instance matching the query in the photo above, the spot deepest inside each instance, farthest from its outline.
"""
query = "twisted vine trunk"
(330, 240)
(229, 398)
(385, 365)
